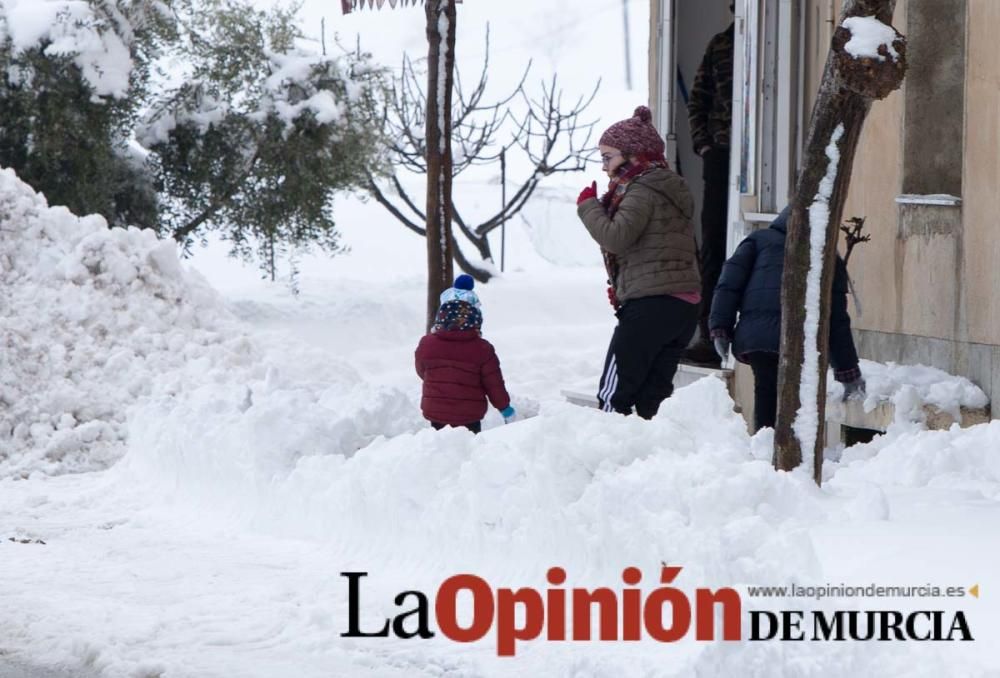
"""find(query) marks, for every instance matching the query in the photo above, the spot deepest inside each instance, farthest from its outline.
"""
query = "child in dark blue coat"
(750, 284)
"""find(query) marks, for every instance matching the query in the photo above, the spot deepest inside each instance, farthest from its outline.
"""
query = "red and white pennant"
(351, 5)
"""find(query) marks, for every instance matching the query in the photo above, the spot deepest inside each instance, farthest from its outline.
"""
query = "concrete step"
(686, 375)
(852, 413)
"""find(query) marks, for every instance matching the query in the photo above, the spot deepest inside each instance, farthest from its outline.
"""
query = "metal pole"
(503, 207)
(667, 74)
(628, 48)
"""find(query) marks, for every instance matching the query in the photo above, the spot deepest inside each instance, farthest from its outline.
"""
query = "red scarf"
(613, 198)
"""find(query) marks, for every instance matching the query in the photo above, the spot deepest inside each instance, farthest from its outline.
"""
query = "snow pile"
(92, 319)
(72, 29)
(572, 485)
(98, 321)
(211, 511)
(959, 459)
(867, 35)
(910, 387)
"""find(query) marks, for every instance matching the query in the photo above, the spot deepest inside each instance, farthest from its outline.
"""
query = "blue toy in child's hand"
(721, 347)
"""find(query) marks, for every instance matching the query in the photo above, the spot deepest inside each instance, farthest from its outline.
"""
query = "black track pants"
(642, 358)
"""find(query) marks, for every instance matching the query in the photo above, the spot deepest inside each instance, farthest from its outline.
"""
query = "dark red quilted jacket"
(460, 371)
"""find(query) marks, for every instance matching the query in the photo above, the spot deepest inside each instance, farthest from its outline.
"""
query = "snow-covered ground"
(274, 442)
(190, 457)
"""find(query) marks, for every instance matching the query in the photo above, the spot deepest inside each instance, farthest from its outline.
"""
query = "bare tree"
(440, 29)
(850, 84)
(550, 134)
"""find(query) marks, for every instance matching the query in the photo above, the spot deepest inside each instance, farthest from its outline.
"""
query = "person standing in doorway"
(710, 114)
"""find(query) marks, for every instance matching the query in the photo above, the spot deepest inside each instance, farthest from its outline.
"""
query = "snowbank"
(906, 385)
(92, 320)
(259, 468)
(99, 321)
(959, 459)
(910, 387)
(240, 544)
(570, 484)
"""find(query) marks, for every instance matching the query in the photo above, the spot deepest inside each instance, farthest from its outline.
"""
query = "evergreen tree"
(66, 114)
(188, 117)
(260, 134)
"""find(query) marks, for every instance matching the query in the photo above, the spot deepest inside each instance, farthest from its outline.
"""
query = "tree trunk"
(440, 74)
(849, 86)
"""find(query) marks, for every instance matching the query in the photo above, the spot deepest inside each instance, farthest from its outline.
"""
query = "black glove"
(854, 389)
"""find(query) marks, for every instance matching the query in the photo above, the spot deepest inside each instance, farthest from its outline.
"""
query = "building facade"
(926, 176)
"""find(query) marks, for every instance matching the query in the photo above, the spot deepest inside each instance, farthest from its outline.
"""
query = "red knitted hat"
(635, 136)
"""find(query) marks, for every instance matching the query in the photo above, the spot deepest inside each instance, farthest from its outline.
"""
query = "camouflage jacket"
(710, 108)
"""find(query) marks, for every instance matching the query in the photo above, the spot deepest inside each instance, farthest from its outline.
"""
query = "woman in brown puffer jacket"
(643, 225)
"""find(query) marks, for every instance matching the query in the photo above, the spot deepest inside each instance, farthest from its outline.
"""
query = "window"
(935, 97)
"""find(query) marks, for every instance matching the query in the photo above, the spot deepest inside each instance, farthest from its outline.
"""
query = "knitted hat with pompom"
(457, 316)
(461, 291)
(635, 136)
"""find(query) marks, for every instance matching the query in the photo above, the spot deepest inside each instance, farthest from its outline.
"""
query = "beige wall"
(877, 267)
(981, 176)
(933, 272)
(930, 277)
(875, 181)
(927, 272)
(819, 29)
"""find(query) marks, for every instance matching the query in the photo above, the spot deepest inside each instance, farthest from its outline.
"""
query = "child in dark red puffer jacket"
(459, 368)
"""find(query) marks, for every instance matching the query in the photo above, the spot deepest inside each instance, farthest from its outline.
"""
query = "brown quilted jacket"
(651, 234)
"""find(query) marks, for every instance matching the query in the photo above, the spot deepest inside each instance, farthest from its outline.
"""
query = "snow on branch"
(869, 56)
(806, 424)
(74, 30)
(870, 38)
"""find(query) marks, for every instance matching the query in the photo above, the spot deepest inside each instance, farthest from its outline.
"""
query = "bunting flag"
(348, 6)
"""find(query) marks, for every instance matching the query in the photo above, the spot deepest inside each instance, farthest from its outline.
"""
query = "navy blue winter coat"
(750, 284)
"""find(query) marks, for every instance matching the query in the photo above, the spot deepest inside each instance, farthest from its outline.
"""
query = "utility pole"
(628, 48)
(503, 207)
